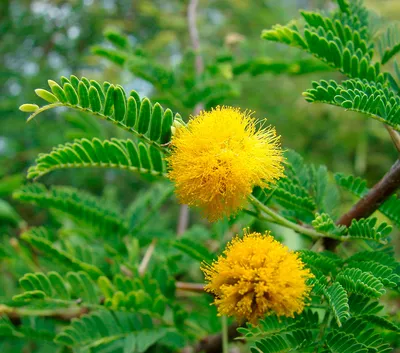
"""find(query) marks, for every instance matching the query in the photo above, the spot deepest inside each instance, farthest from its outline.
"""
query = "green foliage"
(291, 342)
(140, 117)
(344, 41)
(341, 342)
(27, 331)
(341, 41)
(325, 224)
(84, 208)
(390, 208)
(178, 86)
(275, 334)
(373, 99)
(104, 278)
(129, 332)
(365, 229)
(38, 238)
(304, 191)
(389, 43)
(356, 281)
(114, 153)
(193, 249)
(75, 285)
(338, 301)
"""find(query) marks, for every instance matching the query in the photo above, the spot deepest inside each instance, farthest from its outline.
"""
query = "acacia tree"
(121, 275)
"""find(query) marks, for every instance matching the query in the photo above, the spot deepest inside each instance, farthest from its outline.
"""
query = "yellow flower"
(219, 157)
(257, 276)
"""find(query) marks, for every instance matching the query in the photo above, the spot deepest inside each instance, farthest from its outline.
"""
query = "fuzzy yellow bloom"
(219, 157)
(257, 276)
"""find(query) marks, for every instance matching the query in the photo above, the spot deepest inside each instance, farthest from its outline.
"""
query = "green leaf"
(120, 154)
(144, 157)
(48, 249)
(338, 302)
(46, 95)
(365, 229)
(156, 159)
(384, 273)
(71, 94)
(108, 102)
(58, 91)
(83, 207)
(323, 223)
(131, 113)
(119, 104)
(144, 116)
(156, 119)
(390, 208)
(389, 43)
(94, 97)
(83, 94)
(8, 214)
(373, 99)
(166, 126)
(359, 282)
(333, 41)
(102, 327)
(193, 249)
(339, 342)
(116, 38)
(28, 108)
(296, 341)
(75, 285)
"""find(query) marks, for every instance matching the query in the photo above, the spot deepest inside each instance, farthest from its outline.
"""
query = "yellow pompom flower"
(257, 276)
(219, 157)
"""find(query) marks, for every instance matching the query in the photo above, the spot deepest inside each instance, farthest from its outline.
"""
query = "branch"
(213, 343)
(147, 256)
(15, 314)
(395, 137)
(194, 39)
(278, 219)
(194, 34)
(366, 206)
(190, 287)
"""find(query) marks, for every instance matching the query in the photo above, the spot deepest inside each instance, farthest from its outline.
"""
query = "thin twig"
(194, 34)
(278, 219)
(15, 314)
(147, 256)
(183, 222)
(190, 287)
(395, 137)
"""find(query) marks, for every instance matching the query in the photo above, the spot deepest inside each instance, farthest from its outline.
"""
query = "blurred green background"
(43, 40)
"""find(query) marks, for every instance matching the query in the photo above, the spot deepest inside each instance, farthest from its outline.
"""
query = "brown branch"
(194, 39)
(194, 34)
(213, 343)
(190, 287)
(15, 314)
(147, 256)
(367, 205)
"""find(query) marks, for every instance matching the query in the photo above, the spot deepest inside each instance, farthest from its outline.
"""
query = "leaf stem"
(278, 219)
(324, 325)
(225, 340)
(120, 124)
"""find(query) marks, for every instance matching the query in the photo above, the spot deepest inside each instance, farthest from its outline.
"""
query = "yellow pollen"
(257, 276)
(219, 157)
